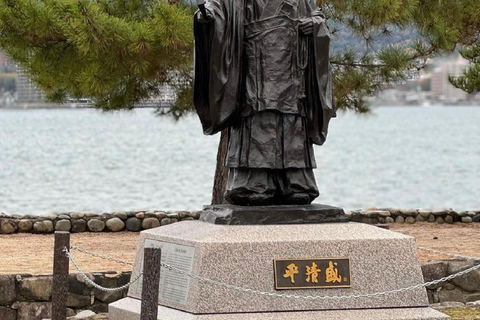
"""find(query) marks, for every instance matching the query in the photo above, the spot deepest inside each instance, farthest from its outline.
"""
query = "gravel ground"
(33, 253)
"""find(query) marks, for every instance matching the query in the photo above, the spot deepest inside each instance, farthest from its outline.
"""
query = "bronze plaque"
(312, 273)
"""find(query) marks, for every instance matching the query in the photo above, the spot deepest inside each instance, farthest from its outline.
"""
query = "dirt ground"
(33, 254)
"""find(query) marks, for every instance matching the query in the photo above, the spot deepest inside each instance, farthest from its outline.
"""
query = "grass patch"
(463, 313)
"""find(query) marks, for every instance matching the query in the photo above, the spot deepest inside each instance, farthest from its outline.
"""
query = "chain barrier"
(271, 294)
(92, 283)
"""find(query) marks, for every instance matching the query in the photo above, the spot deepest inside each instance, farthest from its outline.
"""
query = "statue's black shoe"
(297, 198)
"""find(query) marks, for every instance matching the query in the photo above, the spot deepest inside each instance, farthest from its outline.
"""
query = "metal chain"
(274, 294)
(89, 281)
(100, 256)
(449, 254)
(353, 296)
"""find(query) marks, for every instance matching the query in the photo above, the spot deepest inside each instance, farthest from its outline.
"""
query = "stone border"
(136, 221)
(76, 222)
(394, 215)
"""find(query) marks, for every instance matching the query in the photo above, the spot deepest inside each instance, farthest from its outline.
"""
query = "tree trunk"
(221, 172)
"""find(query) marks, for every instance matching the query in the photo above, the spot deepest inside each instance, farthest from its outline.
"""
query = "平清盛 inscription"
(312, 273)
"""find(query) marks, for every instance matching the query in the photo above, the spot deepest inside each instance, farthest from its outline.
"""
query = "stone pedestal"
(242, 255)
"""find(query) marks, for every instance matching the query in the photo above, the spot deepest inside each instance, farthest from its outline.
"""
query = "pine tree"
(117, 52)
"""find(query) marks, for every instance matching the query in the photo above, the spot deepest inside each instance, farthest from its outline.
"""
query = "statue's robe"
(271, 86)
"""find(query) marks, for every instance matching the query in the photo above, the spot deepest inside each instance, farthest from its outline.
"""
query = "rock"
(64, 217)
(166, 221)
(25, 225)
(448, 286)
(7, 226)
(140, 215)
(77, 215)
(431, 218)
(121, 215)
(79, 225)
(8, 313)
(473, 297)
(109, 282)
(370, 214)
(7, 290)
(99, 307)
(389, 220)
(96, 225)
(399, 219)
(149, 223)
(50, 216)
(439, 220)
(474, 304)
(433, 271)
(115, 224)
(393, 211)
(90, 215)
(424, 213)
(451, 295)
(409, 212)
(160, 215)
(440, 212)
(70, 312)
(44, 226)
(449, 219)
(476, 218)
(150, 214)
(462, 213)
(79, 301)
(467, 219)
(452, 304)
(173, 215)
(195, 214)
(134, 224)
(83, 315)
(77, 284)
(410, 220)
(34, 310)
(63, 225)
(419, 218)
(469, 282)
(36, 288)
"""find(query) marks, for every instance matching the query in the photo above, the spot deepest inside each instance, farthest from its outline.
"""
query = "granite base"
(129, 309)
(242, 255)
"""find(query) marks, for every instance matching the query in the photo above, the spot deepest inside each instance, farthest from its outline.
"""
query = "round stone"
(419, 218)
(8, 226)
(134, 224)
(122, 215)
(449, 219)
(96, 225)
(467, 219)
(439, 220)
(140, 215)
(424, 213)
(76, 215)
(476, 218)
(389, 220)
(410, 220)
(149, 223)
(43, 226)
(431, 218)
(25, 225)
(63, 225)
(79, 225)
(115, 224)
(399, 219)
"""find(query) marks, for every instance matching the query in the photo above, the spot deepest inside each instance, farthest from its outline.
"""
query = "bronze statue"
(262, 71)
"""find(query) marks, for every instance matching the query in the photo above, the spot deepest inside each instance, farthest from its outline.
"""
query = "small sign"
(312, 273)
